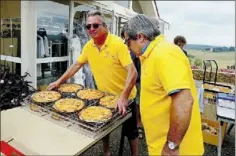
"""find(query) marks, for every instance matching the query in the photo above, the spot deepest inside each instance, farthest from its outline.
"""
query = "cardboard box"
(209, 112)
(211, 138)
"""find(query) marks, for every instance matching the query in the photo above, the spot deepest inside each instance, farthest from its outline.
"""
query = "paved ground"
(228, 147)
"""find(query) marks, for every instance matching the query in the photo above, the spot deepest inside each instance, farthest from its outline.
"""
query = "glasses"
(95, 26)
(127, 41)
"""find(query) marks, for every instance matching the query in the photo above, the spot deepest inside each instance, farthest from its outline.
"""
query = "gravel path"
(228, 147)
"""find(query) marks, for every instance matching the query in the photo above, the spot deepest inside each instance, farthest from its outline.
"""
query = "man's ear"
(141, 37)
(106, 27)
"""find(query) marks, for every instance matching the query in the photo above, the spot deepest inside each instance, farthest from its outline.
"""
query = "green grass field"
(223, 59)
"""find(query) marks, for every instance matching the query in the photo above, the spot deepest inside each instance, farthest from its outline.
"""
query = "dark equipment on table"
(13, 88)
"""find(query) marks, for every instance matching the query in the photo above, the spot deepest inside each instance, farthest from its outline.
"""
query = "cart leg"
(231, 126)
(121, 143)
(219, 138)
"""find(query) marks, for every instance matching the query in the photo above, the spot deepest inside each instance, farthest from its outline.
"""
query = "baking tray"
(73, 118)
(91, 126)
(91, 102)
(69, 94)
(107, 94)
(43, 104)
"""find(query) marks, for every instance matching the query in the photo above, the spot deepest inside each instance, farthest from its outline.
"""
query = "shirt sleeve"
(83, 58)
(173, 70)
(124, 55)
(174, 91)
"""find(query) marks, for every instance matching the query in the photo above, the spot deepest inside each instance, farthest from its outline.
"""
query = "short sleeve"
(124, 55)
(173, 70)
(83, 58)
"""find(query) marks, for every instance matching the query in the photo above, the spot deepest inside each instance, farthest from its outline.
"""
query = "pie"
(95, 114)
(68, 105)
(109, 101)
(90, 94)
(46, 96)
(70, 88)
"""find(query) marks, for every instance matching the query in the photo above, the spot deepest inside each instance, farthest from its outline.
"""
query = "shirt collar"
(152, 44)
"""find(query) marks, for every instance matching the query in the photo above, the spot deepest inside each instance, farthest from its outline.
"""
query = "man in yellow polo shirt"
(113, 71)
(169, 105)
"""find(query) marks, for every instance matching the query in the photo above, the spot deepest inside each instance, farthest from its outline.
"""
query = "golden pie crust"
(95, 114)
(109, 101)
(90, 94)
(46, 96)
(68, 105)
(70, 88)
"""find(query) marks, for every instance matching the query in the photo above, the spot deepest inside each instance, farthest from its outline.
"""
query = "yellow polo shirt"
(165, 68)
(108, 64)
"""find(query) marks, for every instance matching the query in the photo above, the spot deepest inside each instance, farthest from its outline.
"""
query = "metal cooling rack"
(71, 120)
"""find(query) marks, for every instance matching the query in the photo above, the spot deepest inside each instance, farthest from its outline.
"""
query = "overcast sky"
(201, 22)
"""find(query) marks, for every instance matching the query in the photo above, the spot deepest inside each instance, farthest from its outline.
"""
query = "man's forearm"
(70, 72)
(180, 116)
(130, 82)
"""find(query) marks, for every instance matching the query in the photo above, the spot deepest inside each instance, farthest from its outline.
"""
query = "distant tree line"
(210, 48)
(220, 49)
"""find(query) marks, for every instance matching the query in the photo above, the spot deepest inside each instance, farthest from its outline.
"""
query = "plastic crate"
(216, 88)
(209, 97)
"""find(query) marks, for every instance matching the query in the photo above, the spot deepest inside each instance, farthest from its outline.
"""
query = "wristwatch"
(172, 145)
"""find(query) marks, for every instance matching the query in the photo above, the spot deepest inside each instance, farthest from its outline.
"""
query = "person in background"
(113, 71)
(168, 103)
(181, 42)
(137, 65)
(138, 68)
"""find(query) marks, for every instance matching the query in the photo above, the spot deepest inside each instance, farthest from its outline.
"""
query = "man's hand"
(122, 105)
(68, 74)
(53, 85)
(168, 152)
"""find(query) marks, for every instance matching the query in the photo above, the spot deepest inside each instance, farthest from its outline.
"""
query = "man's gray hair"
(97, 13)
(141, 24)
(155, 21)
(94, 13)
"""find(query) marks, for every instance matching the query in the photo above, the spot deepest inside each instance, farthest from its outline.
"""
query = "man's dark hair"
(180, 39)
